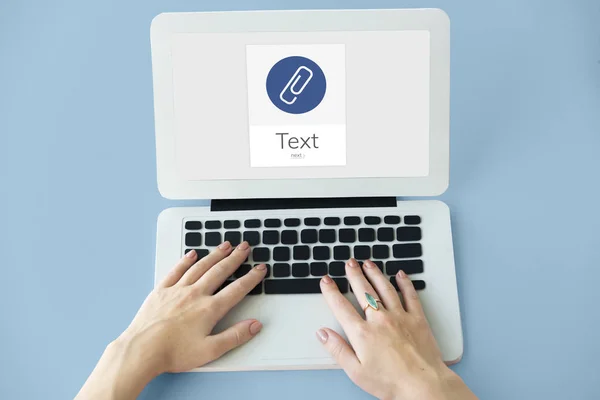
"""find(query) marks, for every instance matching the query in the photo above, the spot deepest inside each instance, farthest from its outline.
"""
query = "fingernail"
(261, 267)
(327, 279)
(401, 274)
(322, 335)
(243, 246)
(369, 264)
(191, 254)
(255, 327)
(352, 263)
(225, 245)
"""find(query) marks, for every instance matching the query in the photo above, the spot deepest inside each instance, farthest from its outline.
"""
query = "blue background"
(78, 201)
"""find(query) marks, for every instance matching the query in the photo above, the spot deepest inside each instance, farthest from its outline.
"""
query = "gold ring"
(372, 302)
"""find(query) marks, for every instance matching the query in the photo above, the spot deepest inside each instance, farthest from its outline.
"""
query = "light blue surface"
(78, 202)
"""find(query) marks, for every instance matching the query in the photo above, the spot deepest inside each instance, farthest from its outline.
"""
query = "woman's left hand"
(172, 330)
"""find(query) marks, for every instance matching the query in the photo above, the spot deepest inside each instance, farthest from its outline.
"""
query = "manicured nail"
(322, 335)
(352, 263)
(369, 264)
(261, 267)
(255, 327)
(327, 279)
(191, 254)
(243, 246)
(225, 245)
(401, 274)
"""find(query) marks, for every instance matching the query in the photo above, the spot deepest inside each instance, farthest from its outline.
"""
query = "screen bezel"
(172, 186)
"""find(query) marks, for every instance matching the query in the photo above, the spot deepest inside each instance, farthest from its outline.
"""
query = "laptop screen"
(287, 105)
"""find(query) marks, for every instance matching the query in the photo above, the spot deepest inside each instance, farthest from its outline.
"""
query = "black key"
(271, 237)
(337, 268)
(281, 270)
(289, 237)
(242, 270)
(258, 289)
(300, 270)
(213, 224)
(321, 253)
(213, 239)
(352, 220)
(318, 268)
(327, 236)
(347, 235)
(291, 222)
(362, 252)
(309, 236)
(410, 250)
(234, 237)
(252, 223)
(381, 251)
(314, 221)
(412, 220)
(252, 237)
(193, 225)
(379, 264)
(385, 234)
(272, 223)
(341, 253)
(419, 285)
(231, 224)
(332, 221)
(408, 234)
(193, 239)
(366, 235)
(299, 286)
(372, 220)
(268, 273)
(281, 254)
(301, 252)
(200, 252)
(408, 266)
(260, 254)
(392, 220)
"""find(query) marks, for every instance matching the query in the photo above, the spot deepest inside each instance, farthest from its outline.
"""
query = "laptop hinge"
(294, 203)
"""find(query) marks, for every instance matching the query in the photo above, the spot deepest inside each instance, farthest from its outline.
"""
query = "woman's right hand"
(393, 354)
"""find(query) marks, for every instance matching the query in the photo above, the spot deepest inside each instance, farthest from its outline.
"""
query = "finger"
(340, 350)
(360, 284)
(233, 337)
(386, 291)
(411, 298)
(203, 265)
(238, 289)
(217, 274)
(178, 270)
(342, 309)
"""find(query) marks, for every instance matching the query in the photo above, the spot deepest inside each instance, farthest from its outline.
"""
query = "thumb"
(339, 349)
(233, 337)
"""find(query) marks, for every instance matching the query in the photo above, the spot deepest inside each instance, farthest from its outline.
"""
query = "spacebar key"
(299, 286)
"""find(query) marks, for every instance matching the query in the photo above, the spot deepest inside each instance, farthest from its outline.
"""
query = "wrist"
(134, 358)
(453, 387)
(445, 384)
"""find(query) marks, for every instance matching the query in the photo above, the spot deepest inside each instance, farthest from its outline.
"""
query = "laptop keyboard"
(299, 251)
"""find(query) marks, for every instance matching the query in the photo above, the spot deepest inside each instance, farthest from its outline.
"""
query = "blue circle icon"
(296, 85)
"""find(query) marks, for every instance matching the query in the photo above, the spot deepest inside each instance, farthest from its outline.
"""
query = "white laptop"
(302, 127)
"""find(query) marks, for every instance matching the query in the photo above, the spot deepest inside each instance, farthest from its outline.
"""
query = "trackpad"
(290, 325)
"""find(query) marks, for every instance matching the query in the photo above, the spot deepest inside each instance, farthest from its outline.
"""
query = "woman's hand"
(172, 330)
(394, 354)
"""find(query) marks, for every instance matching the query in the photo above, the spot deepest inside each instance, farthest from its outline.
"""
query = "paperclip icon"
(291, 85)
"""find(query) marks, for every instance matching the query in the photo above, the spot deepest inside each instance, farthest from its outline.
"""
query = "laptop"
(303, 127)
